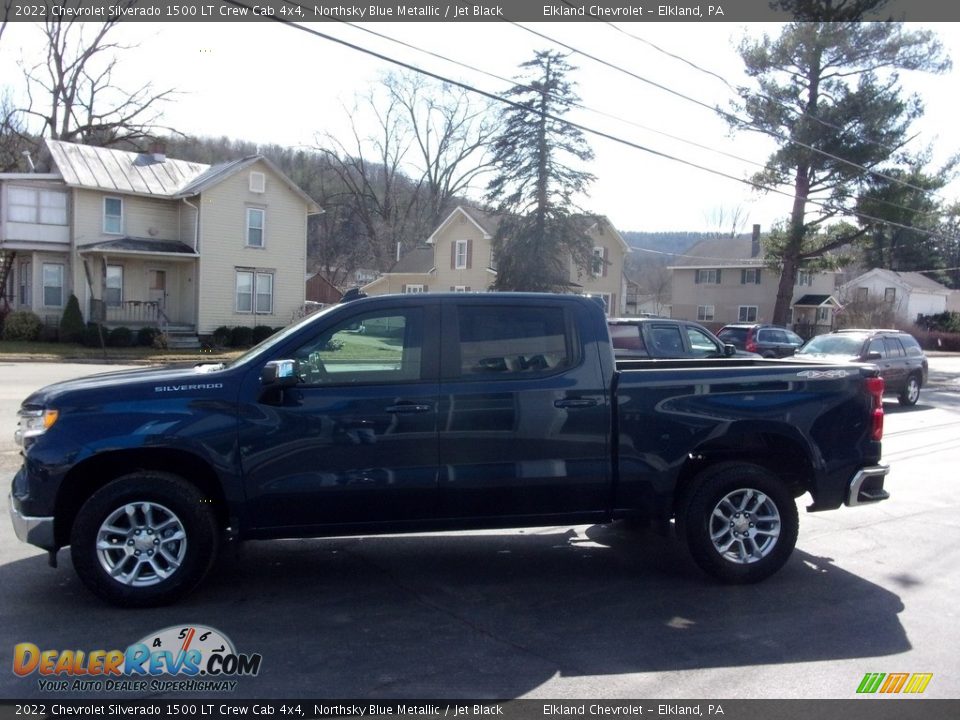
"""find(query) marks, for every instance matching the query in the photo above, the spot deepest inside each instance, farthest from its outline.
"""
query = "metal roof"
(121, 171)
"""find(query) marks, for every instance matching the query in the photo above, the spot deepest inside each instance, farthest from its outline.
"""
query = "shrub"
(92, 334)
(221, 336)
(241, 337)
(120, 337)
(146, 336)
(22, 325)
(160, 341)
(261, 333)
(71, 324)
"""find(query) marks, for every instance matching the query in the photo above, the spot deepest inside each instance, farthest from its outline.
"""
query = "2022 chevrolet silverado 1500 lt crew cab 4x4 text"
(437, 412)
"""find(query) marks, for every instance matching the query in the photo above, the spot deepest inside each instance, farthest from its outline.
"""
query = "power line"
(726, 115)
(467, 66)
(578, 126)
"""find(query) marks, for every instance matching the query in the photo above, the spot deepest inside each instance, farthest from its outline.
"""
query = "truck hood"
(163, 379)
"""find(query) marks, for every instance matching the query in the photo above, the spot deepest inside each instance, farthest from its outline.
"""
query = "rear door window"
(504, 341)
(893, 347)
(627, 340)
(667, 341)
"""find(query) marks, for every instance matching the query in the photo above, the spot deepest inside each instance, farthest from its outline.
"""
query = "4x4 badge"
(816, 374)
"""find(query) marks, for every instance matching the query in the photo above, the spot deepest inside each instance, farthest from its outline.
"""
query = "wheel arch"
(785, 456)
(95, 472)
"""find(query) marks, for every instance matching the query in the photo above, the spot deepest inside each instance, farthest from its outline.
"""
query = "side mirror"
(872, 356)
(729, 350)
(280, 374)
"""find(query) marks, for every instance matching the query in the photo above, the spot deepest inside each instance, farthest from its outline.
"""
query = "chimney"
(158, 151)
(755, 242)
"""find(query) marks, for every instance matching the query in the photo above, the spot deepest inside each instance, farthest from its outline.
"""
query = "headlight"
(34, 422)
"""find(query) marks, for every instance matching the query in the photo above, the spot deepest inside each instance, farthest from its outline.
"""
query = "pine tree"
(829, 93)
(535, 184)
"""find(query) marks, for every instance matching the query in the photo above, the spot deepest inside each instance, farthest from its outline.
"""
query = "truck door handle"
(407, 408)
(573, 403)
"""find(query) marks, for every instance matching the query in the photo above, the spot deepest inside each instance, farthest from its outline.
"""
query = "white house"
(908, 294)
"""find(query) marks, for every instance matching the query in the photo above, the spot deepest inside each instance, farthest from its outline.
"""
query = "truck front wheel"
(144, 539)
(740, 522)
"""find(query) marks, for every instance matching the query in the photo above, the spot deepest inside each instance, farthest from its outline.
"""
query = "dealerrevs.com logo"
(198, 657)
(894, 683)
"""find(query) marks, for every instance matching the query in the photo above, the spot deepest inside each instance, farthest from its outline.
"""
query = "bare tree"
(14, 140)
(427, 148)
(727, 221)
(73, 95)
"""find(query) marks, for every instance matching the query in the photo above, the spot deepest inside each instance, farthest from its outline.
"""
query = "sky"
(269, 83)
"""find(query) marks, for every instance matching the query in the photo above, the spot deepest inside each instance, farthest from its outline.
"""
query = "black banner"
(872, 708)
(440, 11)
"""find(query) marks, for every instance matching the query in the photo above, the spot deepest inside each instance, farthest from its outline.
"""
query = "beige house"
(458, 257)
(142, 239)
(725, 280)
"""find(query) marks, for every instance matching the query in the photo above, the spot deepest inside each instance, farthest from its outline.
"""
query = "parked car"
(767, 340)
(663, 338)
(453, 411)
(903, 365)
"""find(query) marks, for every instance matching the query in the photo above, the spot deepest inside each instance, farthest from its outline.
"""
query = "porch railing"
(136, 312)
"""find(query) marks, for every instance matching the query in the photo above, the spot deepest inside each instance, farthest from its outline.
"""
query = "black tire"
(743, 499)
(911, 391)
(159, 537)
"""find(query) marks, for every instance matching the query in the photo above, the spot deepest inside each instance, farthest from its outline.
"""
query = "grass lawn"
(12, 351)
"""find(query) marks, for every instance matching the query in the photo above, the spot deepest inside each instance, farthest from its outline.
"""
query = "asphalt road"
(563, 612)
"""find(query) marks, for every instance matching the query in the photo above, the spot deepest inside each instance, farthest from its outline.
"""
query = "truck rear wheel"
(740, 522)
(144, 539)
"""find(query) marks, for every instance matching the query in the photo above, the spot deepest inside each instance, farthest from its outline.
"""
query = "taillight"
(875, 390)
(751, 344)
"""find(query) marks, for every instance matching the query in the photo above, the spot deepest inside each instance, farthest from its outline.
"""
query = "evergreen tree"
(535, 185)
(829, 93)
(71, 323)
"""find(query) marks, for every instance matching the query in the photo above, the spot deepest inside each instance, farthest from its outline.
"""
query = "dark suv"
(898, 355)
(767, 340)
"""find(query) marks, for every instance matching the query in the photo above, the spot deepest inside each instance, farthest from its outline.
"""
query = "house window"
(460, 254)
(253, 287)
(705, 313)
(863, 294)
(53, 284)
(804, 277)
(708, 277)
(258, 182)
(598, 261)
(36, 205)
(113, 290)
(25, 295)
(255, 218)
(823, 315)
(414, 289)
(747, 313)
(113, 215)
(459, 288)
(890, 295)
(750, 276)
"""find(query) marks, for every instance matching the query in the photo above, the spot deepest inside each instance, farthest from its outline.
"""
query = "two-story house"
(458, 256)
(142, 239)
(725, 280)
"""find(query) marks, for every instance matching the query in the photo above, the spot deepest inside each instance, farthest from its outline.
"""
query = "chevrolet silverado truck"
(436, 412)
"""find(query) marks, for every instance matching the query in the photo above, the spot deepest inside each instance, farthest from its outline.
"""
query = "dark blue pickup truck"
(437, 412)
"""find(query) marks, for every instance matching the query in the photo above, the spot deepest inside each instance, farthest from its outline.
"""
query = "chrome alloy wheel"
(141, 544)
(912, 391)
(744, 526)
